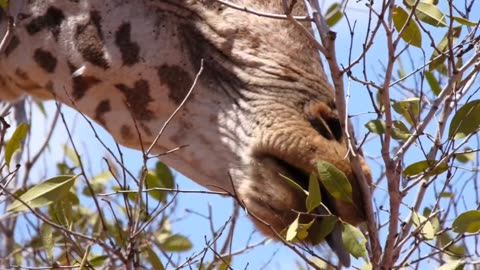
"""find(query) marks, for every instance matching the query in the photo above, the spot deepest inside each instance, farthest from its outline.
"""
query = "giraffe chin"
(271, 198)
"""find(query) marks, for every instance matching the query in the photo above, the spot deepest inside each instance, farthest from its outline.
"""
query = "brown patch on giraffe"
(137, 98)
(12, 45)
(102, 108)
(27, 83)
(89, 41)
(81, 84)
(45, 60)
(177, 80)
(129, 50)
(126, 133)
(52, 20)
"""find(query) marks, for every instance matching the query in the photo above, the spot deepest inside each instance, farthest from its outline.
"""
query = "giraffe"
(262, 106)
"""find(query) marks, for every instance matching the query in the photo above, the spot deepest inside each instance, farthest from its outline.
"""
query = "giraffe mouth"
(291, 172)
(284, 169)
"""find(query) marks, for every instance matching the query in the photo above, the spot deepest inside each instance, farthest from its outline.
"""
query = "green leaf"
(468, 222)
(467, 155)
(432, 81)
(409, 108)
(354, 241)
(334, 181)
(98, 260)
(176, 243)
(376, 126)
(427, 230)
(422, 166)
(314, 198)
(464, 21)
(465, 121)
(411, 34)
(430, 14)
(4, 4)
(292, 229)
(321, 228)
(400, 131)
(15, 142)
(226, 263)
(152, 181)
(165, 175)
(442, 47)
(44, 193)
(452, 265)
(334, 14)
(47, 240)
(153, 259)
(294, 184)
(71, 155)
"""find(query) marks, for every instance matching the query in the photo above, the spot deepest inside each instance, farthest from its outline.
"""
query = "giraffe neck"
(128, 65)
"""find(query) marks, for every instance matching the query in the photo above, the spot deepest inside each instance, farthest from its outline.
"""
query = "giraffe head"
(262, 109)
(288, 144)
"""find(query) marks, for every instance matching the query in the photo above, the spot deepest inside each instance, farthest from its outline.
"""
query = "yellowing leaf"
(452, 265)
(427, 230)
(47, 239)
(430, 14)
(44, 193)
(176, 243)
(468, 222)
(438, 57)
(334, 181)
(292, 230)
(376, 126)
(334, 14)
(465, 121)
(411, 34)
(424, 165)
(354, 241)
(467, 155)
(464, 21)
(15, 142)
(153, 259)
(409, 108)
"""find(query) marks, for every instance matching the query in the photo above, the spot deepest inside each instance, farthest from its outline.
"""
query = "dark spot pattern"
(126, 133)
(12, 45)
(138, 98)
(89, 41)
(129, 50)
(52, 20)
(81, 84)
(177, 80)
(45, 60)
(102, 108)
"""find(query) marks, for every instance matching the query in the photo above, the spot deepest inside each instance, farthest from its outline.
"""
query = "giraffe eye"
(327, 127)
(325, 121)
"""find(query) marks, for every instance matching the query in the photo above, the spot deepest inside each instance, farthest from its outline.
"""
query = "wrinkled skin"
(262, 106)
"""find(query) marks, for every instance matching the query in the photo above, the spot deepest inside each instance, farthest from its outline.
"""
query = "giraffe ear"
(324, 119)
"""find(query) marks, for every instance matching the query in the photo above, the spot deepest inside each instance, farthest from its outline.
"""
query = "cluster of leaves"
(89, 234)
(338, 186)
